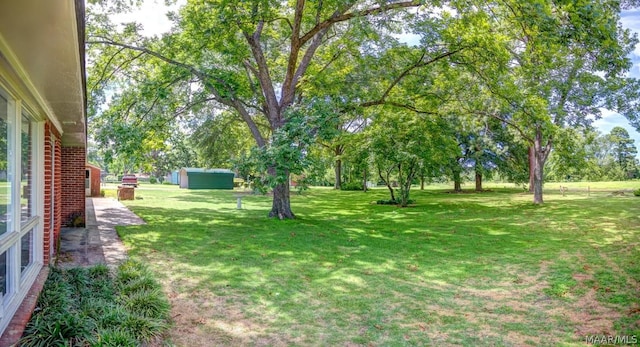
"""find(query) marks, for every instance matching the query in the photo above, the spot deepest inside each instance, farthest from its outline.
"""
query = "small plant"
(636, 192)
(95, 307)
(147, 303)
(76, 220)
(115, 338)
(102, 193)
(153, 180)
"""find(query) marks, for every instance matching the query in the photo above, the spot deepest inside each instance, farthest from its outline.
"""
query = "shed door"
(184, 180)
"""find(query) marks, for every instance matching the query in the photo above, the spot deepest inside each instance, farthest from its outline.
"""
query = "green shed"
(195, 178)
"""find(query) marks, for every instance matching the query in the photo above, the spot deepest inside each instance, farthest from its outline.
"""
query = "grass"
(455, 269)
(93, 307)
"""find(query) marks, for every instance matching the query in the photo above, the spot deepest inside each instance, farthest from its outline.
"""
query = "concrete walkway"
(98, 242)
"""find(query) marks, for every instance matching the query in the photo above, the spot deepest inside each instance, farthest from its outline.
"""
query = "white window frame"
(19, 281)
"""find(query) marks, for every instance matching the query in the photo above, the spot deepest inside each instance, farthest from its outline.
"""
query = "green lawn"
(456, 269)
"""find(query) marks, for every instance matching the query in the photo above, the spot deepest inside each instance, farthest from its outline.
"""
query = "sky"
(609, 120)
(152, 16)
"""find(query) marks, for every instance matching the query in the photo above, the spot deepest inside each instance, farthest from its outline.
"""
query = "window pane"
(26, 175)
(25, 250)
(5, 185)
(3, 273)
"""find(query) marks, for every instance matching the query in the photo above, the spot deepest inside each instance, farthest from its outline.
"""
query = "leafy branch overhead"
(295, 73)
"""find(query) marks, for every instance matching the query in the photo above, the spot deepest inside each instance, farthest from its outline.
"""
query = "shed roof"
(192, 169)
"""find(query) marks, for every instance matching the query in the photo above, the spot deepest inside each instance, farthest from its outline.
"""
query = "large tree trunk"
(338, 172)
(537, 181)
(478, 181)
(386, 181)
(457, 180)
(364, 180)
(405, 184)
(541, 154)
(532, 165)
(281, 206)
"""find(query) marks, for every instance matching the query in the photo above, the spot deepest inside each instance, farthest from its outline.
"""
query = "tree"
(219, 139)
(566, 61)
(402, 143)
(256, 58)
(624, 151)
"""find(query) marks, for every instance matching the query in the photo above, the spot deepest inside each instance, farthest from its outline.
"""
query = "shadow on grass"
(347, 261)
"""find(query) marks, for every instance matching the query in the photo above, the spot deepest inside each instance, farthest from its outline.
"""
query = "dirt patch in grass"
(514, 305)
(202, 318)
(590, 316)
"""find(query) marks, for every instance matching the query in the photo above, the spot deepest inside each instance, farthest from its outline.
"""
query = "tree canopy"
(293, 72)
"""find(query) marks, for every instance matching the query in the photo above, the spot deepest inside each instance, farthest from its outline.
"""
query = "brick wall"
(72, 185)
(48, 175)
(52, 181)
(95, 180)
(57, 182)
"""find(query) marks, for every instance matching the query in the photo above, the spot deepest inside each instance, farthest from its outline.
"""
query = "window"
(26, 174)
(20, 225)
(3, 273)
(26, 250)
(5, 182)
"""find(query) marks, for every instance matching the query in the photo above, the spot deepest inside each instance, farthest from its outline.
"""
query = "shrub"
(351, 186)
(147, 303)
(56, 330)
(115, 338)
(636, 192)
(139, 284)
(153, 180)
(96, 307)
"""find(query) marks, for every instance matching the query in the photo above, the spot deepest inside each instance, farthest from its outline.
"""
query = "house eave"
(43, 43)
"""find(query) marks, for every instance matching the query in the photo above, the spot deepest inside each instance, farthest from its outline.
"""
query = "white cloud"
(409, 38)
(611, 120)
(630, 20)
(152, 14)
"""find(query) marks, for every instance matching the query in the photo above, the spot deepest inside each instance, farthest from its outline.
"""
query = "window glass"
(5, 185)
(25, 250)
(3, 273)
(26, 174)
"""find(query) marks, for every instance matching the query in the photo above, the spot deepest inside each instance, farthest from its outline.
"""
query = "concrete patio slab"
(98, 242)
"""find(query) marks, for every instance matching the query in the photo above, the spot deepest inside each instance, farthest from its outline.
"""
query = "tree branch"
(341, 17)
(104, 70)
(418, 64)
(229, 101)
(264, 76)
(203, 76)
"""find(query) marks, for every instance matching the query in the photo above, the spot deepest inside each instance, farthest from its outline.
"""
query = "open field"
(455, 269)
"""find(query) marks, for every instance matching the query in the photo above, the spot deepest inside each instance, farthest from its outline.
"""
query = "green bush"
(351, 186)
(94, 307)
(636, 192)
(153, 180)
(115, 338)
